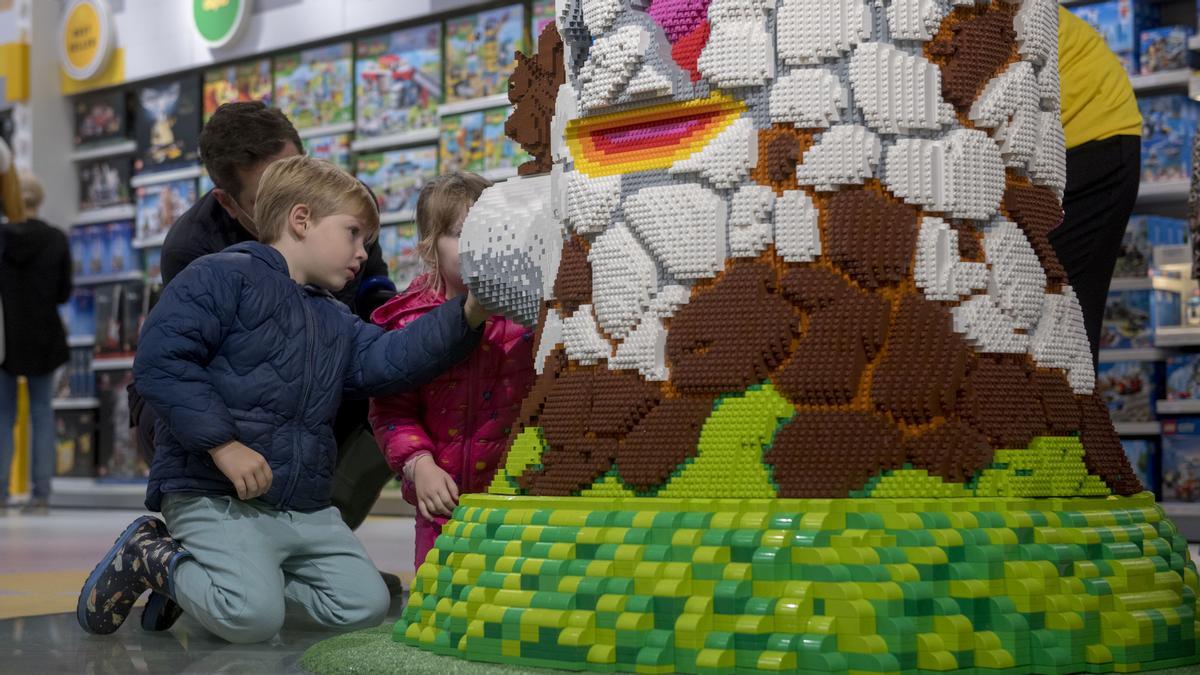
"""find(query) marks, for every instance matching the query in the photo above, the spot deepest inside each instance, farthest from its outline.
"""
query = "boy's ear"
(299, 220)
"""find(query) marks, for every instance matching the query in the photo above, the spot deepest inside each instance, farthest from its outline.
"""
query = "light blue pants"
(250, 558)
(41, 418)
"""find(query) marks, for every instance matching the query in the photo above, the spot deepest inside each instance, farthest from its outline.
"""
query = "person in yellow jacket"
(1103, 129)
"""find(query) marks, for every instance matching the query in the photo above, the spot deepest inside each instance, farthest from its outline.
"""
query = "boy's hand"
(245, 468)
(474, 312)
(437, 495)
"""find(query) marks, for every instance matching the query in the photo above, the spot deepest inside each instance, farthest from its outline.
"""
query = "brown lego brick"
(1058, 402)
(1036, 210)
(1000, 399)
(924, 365)
(780, 148)
(533, 89)
(869, 237)
(954, 450)
(828, 454)
(573, 283)
(1102, 451)
(663, 440)
(972, 46)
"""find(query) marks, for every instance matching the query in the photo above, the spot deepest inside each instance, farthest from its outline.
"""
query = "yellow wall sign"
(85, 38)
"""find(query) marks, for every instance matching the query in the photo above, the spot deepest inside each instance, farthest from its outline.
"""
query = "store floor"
(45, 559)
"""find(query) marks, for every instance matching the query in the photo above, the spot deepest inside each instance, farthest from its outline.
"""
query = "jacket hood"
(24, 241)
(414, 301)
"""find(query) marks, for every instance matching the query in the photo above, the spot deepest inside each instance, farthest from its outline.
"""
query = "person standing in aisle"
(35, 277)
(1103, 129)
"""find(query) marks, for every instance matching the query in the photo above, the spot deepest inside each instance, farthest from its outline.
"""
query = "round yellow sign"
(85, 38)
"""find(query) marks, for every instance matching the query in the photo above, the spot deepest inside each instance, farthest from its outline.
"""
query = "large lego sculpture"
(814, 392)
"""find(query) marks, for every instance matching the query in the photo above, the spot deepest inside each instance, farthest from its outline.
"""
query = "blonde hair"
(32, 193)
(443, 203)
(323, 187)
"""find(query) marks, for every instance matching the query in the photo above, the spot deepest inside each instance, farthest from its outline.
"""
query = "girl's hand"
(475, 313)
(437, 495)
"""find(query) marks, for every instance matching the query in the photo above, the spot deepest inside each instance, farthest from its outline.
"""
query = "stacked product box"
(1146, 461)
(75, 452)
(1164, 48)
(1131, 317)
(1168, 128)
(1142, 234)
(1120, 23)
(1181, 459)
(1130, 389)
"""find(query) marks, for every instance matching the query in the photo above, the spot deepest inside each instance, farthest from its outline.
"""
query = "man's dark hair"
(240, 135)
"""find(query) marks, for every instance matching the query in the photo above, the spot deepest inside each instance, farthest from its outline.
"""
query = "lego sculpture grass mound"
(814, 391)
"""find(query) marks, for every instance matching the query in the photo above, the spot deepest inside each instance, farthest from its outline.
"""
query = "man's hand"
(437, 495)
(245, 468)
(474, 312)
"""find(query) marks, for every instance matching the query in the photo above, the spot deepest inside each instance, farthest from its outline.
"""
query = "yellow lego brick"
(775, 661)
(602, 653)
(716, 659)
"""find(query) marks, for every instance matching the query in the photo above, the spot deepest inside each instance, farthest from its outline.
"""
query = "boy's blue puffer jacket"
(237, 350)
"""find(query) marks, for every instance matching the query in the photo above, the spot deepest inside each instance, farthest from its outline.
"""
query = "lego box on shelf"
(1183, 377)
(1142, 234)
(104, 182)
(480, 51)
(1130, 389)
(397, 176)
(1145, 459)
(100, 118)
(118, 457)
(1120, 23)
(247, 81)
(75, 448)
(398, 243)
(1181, 459)
(1130, 317)
(334, 149)
(168, 124)
(399, 80)
(160, 205)
(315, 87)
(1168, 128)
(119, 252)
(1164, 48)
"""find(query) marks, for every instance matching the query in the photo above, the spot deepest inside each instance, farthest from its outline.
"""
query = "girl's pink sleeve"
(398, 428)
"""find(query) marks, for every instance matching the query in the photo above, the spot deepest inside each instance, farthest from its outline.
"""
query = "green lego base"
(1053, 585)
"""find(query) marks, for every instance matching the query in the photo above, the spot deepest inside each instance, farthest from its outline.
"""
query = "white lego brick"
(611, 63)
(589, 202)
(846, 154)
(1061, 341)
(651, 80)
(797, 233)
(644, 350)
(1049, 165)
(727, 159)
(566, 108)
(549, 337)
(582, 339)
(1017, 283)
(683, 225)
(669, 299)
(808, 98)
(1049, 86)
(751, 229)
(986, 327)
(739, 52)
(1010, 107)
(896, 91)
(939, 271)
(1036, 25)
(811, 31)
(961, 176)
(915, 19)
(599, 15)
(624, 278)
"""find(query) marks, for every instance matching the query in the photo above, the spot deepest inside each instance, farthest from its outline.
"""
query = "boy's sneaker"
(160, 612)
(143, 557)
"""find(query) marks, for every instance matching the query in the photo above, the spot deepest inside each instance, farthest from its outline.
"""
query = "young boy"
(246, 358)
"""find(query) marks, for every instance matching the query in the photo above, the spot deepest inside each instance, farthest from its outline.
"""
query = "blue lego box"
(1181, 459)
(1130, 389)
(1144, 458)
(1168, 128)
(1142, 234)
(1120, 23)
(1131, 317)
(1183, 377)
(121, 256)
(1164, 48)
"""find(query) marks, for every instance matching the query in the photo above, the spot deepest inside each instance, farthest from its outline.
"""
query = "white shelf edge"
(108, 213)
(150, 242)
(1167, 78)
(1182, 407)
(1194, 43)
(69, 485)
(426, 135)
(102, 151)
(131, 275)
(75, 403)
(1164, 192)
(326, 130)
(81, 340)
(1138, 428)
(1140, 354)
(397, 217)
(1177, 336)
(112, 362)
(144, 179)
(471, 105)
(500, 173)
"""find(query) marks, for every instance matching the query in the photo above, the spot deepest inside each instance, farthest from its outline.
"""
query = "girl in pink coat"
(447, 438)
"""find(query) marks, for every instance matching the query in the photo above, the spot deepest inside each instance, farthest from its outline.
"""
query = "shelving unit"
(1141, 354)
(106, 214)
(471, 105)
(144, 179)
(104, 151)
(414, 137)
(326, 130)
(132, 275)
(1138, 428)
(112, 363)
(75, 403)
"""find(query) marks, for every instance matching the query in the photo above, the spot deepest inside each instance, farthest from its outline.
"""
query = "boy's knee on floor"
(249, 629)
(368, 610)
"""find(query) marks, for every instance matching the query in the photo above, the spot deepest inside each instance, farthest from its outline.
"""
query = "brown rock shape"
(999, 399)
(1036, 210)
(663, 440)
(709, 355)
(783, 154)
(924, 365)
(846, 327)
(869, 237)
(828, 454)
(780, 148)
(1058, 402)
(533, 89)
(573, 283)
(977, 44)
(1102, 452)
(954, 450)
(970, 242)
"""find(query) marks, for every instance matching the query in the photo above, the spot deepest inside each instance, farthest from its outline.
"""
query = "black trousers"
(1102, 187)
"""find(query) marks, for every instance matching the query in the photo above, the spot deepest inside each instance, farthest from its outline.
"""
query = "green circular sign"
(219, 21)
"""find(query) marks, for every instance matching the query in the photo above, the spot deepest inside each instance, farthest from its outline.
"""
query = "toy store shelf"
(482, 103)
(397, 217)
(1167, 78)
(1189, 406)
(327, 130)
(390, 503)
(150, 242)
(1144, 354)
(91, 493)
(118, 212)
(426, 135)
(1168, 191)
(1186, 516)
(499, 174)
(144, 179)
(132, 275)
(75, 403)
(112, 363)
(81, 340)
(1138, 428)
(1177, 336)
(102, 151)
(1194, 43)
